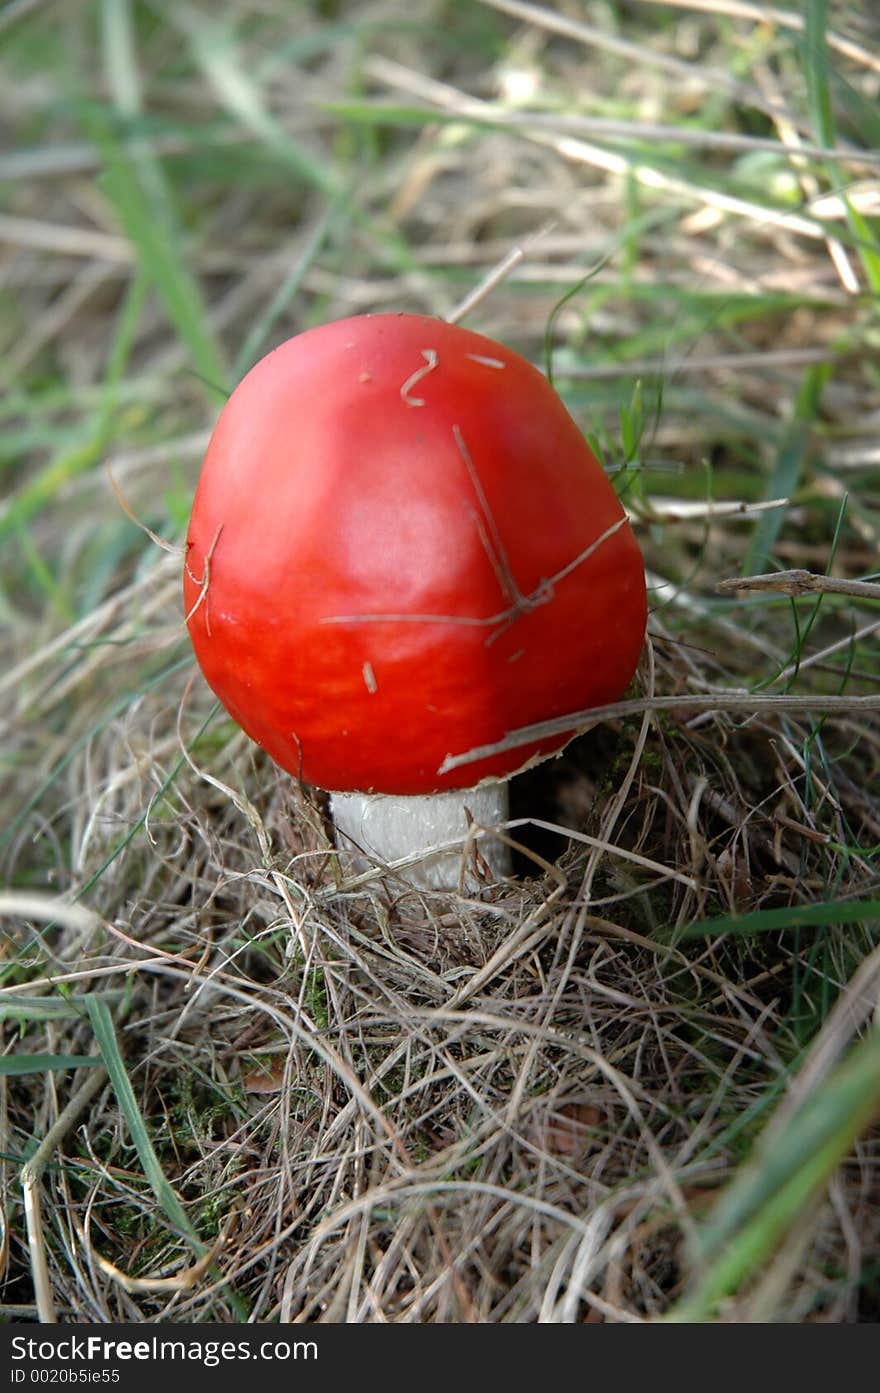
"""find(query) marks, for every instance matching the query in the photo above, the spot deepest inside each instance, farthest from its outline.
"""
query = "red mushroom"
(401, 548)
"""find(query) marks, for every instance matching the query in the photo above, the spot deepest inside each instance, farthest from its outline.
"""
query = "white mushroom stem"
(377, 829)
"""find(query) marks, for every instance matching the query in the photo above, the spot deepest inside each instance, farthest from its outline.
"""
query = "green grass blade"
(135, 182)
(213, 47)
(40, 573)
(39, 1063)
(816, 64)
(789, 1169)
(23, 506)
(867, 244)
(107, 424)
(790, 461)
(787, 918)
(102, 1024)
(47, 1008)
(256, 339)
(819, 82)
(150, 225)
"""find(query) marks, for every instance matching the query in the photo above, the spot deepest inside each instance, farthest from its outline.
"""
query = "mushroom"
(401, 548)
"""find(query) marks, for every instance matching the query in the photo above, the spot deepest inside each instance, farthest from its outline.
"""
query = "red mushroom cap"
(402, 548)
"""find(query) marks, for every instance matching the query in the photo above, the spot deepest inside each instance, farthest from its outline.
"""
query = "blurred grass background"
(645, 1086)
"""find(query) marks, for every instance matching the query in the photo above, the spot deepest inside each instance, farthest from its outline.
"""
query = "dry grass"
(375, 1104)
